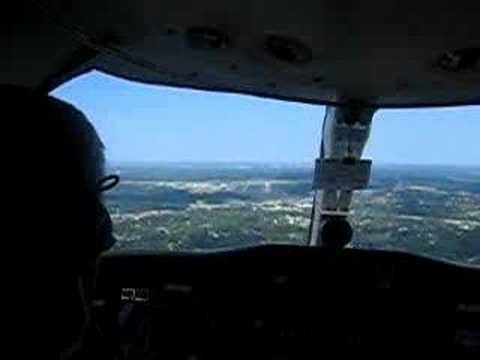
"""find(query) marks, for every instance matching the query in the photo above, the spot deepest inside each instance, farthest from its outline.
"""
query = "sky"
(139, 122)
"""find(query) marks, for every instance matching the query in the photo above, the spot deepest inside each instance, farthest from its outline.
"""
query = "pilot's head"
(56, 216)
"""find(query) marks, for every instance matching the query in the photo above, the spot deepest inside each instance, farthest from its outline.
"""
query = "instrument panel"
(289, 302)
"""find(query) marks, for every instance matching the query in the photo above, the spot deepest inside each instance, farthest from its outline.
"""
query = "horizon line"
(271, 162)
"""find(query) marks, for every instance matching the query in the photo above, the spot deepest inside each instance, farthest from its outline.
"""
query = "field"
(428, 210)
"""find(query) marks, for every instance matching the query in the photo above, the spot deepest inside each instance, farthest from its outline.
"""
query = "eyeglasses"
(107, 183)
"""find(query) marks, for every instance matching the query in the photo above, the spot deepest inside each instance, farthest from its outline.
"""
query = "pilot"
(54, 169)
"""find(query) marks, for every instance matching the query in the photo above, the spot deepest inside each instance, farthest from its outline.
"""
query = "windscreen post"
(339, 171)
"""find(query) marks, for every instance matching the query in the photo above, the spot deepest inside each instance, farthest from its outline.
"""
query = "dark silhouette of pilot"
(55, 175)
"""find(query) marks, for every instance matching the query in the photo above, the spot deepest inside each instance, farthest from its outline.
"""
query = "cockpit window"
(206, 171)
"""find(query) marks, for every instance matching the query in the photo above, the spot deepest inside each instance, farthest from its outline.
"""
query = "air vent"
(459, 60)
(288, 50)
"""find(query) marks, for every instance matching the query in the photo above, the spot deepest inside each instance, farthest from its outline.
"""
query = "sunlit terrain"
(426, 210)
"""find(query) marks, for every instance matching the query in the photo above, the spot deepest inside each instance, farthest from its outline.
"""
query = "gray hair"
(54, 138)
(79, 142)
(88, 149)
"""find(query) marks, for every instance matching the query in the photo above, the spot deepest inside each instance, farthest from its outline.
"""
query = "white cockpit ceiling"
(380, 53)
